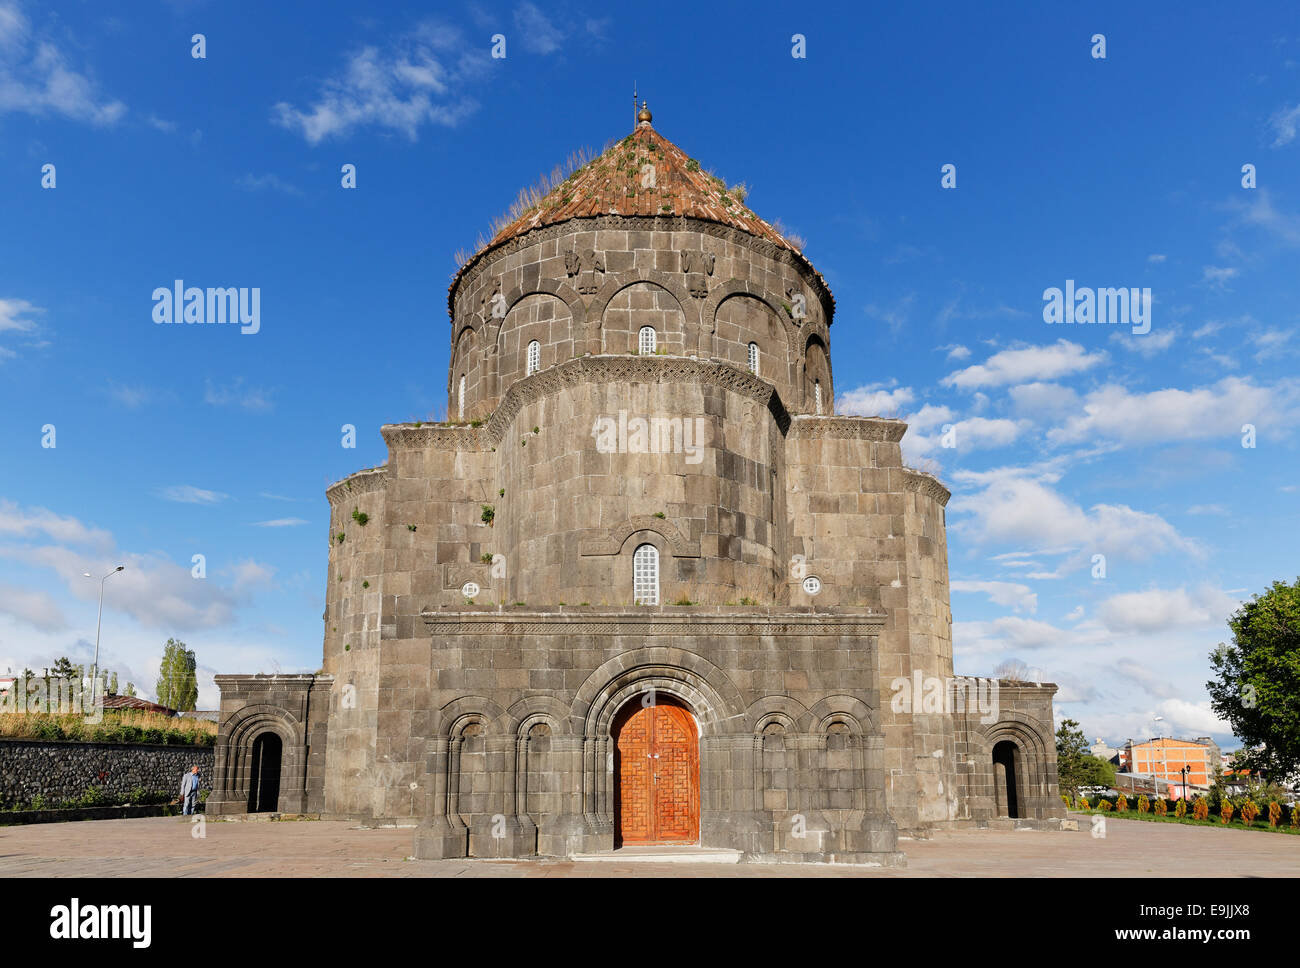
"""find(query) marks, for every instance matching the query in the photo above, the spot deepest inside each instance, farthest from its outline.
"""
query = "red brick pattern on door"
(657, 766)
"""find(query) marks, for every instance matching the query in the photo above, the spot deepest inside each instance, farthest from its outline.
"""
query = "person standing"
(190, 791)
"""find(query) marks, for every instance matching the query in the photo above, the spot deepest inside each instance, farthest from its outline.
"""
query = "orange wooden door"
(657, 766)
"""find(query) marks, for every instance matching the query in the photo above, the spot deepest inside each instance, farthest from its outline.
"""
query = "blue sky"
(1070, 441)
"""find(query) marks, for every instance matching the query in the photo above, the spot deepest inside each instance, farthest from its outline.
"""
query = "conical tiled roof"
(620, 182)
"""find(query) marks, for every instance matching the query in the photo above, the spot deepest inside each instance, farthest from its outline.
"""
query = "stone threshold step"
(664, 854)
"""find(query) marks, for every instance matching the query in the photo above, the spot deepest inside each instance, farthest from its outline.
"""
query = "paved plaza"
(164, 847)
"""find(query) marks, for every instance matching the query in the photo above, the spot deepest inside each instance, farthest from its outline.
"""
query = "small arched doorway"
(1006, 779)
(656, 773)
(264, 773)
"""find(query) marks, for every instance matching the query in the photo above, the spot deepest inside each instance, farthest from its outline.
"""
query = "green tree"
(178, 685)
(112, 684)
(130, 689)
(1259, 679)
(1075, 766)
(63, 669)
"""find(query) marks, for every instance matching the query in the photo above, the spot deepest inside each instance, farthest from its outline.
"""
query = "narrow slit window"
(648, 340)
(753, 358)
(817, 397)
(534, 357)
(645, 575)
(460, 398)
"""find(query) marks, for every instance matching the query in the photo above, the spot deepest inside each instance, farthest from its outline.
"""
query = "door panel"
(657, 762)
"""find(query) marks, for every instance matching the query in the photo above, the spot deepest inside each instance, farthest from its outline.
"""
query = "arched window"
(460, 398)
(647, 341)
(817, 397)
(753, 358)
(645, 575)
(534, 357)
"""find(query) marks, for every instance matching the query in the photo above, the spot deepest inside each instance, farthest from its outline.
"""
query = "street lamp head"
(85, 574)
(121, 567)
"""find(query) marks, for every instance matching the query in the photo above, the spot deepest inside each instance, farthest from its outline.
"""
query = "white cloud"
(874, 400)
(1165, 608)
(1026, 364)
(271, 182)
(280, 523)
(1156, 257)
(129, 396)
(1285, 122)
(1218, 276)
(36, 608)
(894, 316)
(1018, 597)
(973, 433)
(14, 521)
(36, 79)
(188, 494)
(1018, 510)
(154, 591)
(1043, 401)
(958, 352)
(236, 394)
(251, 574)
(539, 35)
(414, 82)
(1113, 412)
(1147, 344)
(1004, 634)
(15, 315)
(1192, 718)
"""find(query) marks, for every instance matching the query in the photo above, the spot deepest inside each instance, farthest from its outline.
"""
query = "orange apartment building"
(1163, 759)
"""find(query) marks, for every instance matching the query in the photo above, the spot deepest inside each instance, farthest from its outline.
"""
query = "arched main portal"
(656, 772)
(264, 773)
(1007, 779)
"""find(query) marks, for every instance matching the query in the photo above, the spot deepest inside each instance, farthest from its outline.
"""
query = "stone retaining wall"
(62, 770)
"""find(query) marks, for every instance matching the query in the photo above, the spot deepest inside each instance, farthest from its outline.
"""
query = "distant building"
(135, 702)
(1103, 750)
(1163, 759)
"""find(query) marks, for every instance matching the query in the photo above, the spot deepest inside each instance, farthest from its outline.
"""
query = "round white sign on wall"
(812, 584)
(469, 589)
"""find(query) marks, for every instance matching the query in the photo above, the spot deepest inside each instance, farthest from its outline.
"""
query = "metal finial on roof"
(644, 116)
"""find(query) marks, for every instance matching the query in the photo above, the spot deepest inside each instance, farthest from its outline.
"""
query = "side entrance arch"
(1008, 779)
(264, 773)
(656, 773)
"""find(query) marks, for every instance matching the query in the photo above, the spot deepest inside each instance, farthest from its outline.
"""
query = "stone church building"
(644, 586)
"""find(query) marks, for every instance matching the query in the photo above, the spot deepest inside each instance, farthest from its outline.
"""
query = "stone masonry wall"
(63, 770)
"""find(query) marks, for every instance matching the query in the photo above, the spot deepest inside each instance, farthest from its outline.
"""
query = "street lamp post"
(1160, 777)
(94, 670)
(1184, 771)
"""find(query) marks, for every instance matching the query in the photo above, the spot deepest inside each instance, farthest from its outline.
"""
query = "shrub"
(360, 517)
(1275, 813)
(1162, 808)
(1249, 811)
(1201, 809)
(1143, 804)
(489, 512)
(1103, 805)
(1121, 803)
(1065, 798)
(1295, 816)
(1181, 809)
(1083, 803)
(1225, 812)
